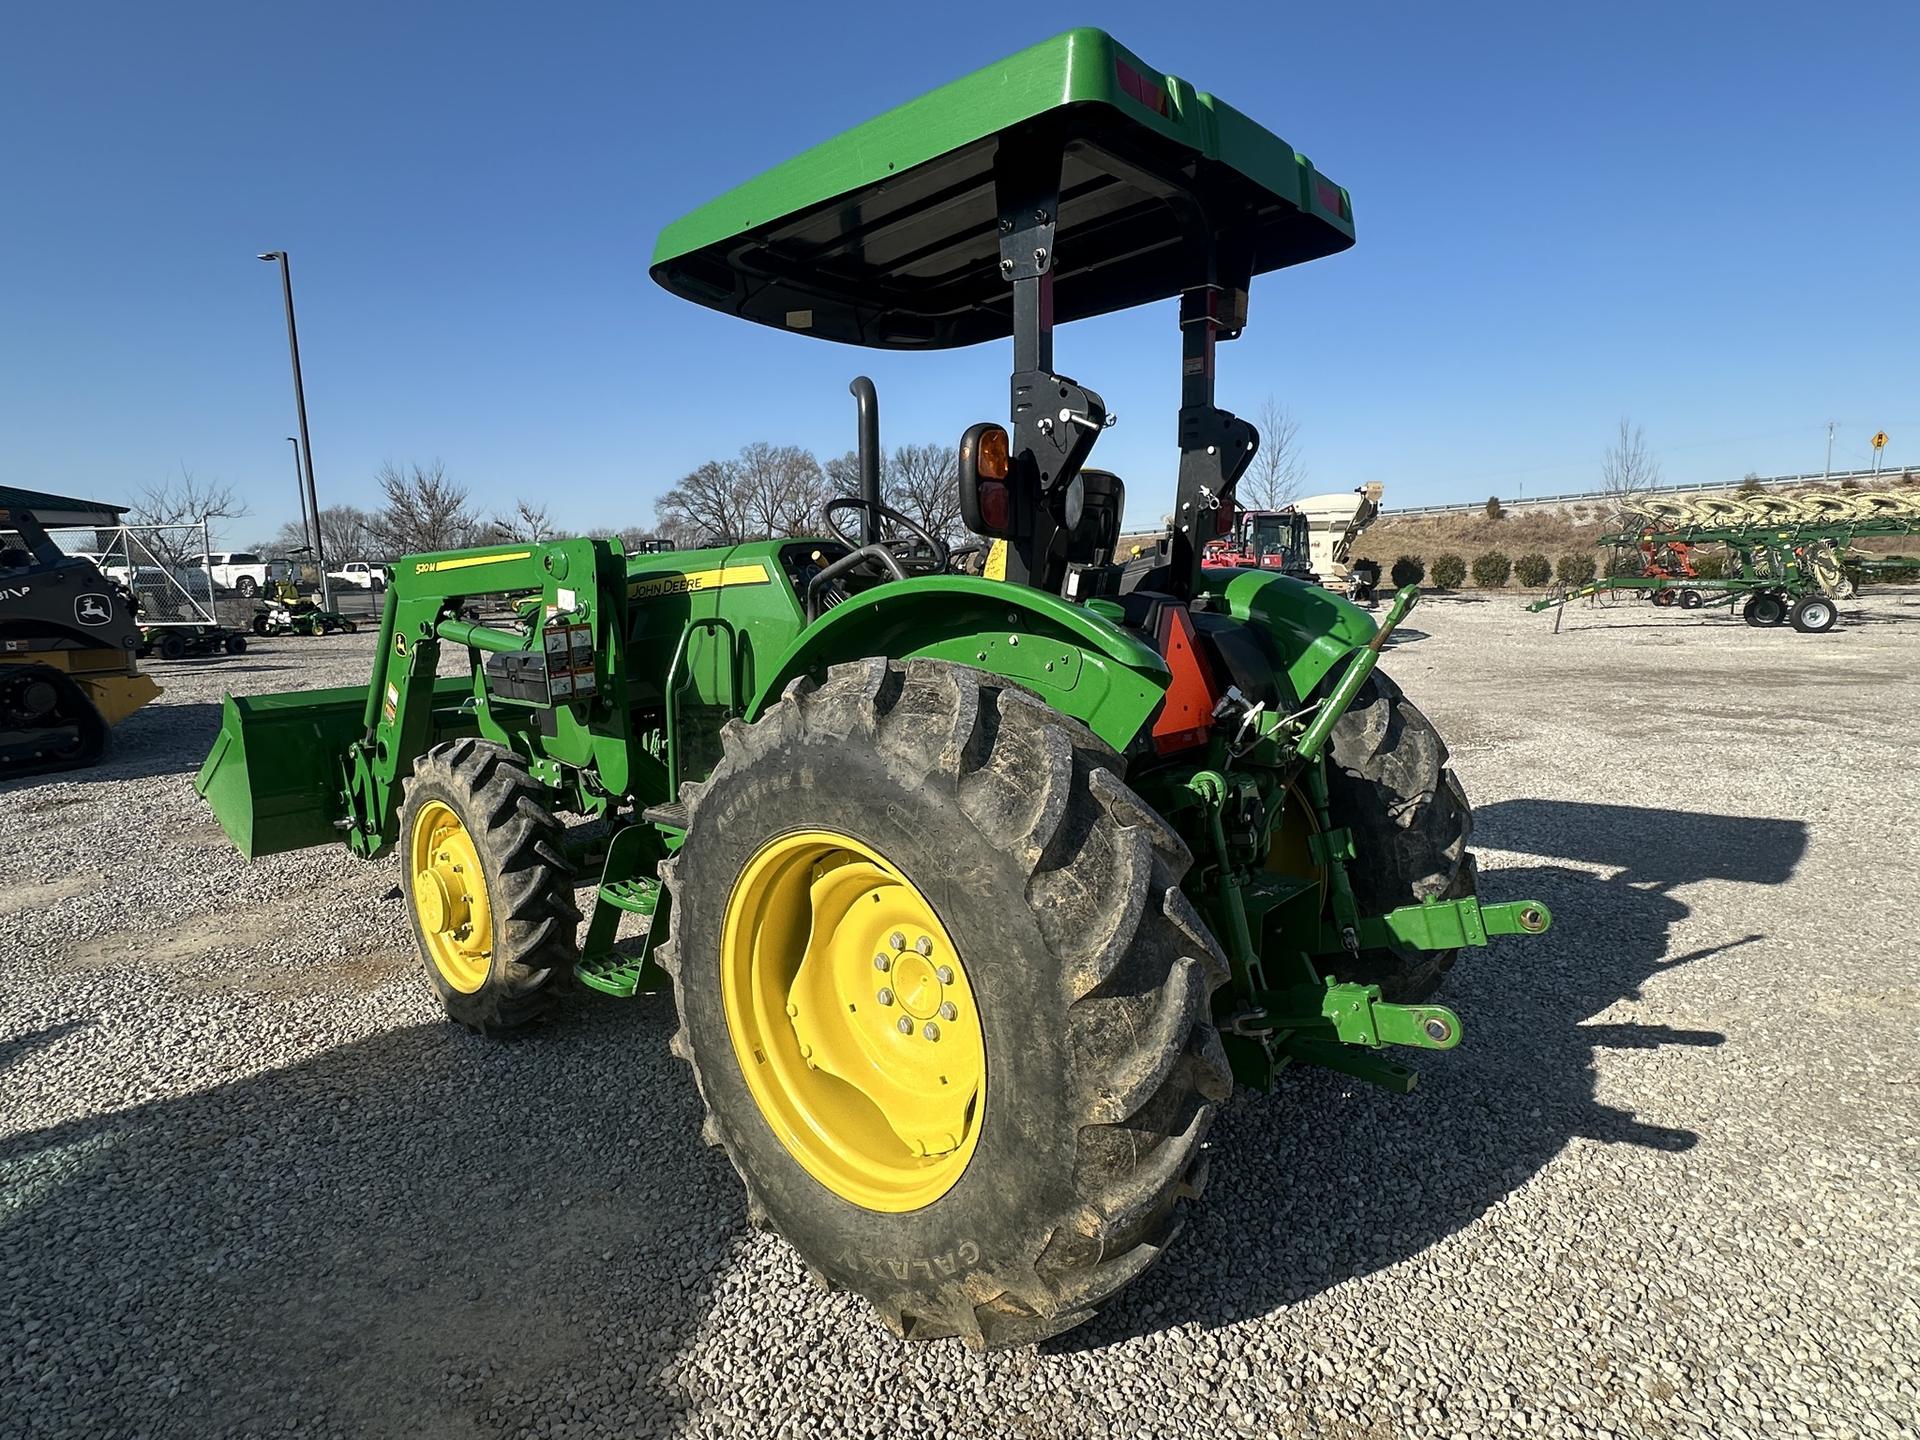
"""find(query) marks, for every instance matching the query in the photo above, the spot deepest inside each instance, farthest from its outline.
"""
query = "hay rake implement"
(1787, 556)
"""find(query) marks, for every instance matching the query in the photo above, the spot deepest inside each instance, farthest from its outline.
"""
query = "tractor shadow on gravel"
(1328, 1179)
(421, 1233)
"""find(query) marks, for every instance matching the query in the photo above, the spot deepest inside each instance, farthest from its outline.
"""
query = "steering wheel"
(918, 548)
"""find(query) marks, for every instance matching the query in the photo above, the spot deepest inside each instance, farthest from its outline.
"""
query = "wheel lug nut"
(924, 945)
(793, 1009)
(897, 940)
(885, 997)
(949, 1011)
(882, 963)
(906, 1026)
(932, 1032)
(945, 972)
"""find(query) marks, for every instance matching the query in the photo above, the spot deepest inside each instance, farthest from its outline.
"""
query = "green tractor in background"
(976, 895)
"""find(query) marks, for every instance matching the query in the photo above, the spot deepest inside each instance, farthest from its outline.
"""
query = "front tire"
(487, 885)
(1087, 971)
(248, 587)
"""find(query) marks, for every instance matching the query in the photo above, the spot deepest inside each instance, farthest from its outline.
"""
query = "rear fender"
(1081, 664)
(1314, 630)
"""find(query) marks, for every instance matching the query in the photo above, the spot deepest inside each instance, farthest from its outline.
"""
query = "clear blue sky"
(1702, 216)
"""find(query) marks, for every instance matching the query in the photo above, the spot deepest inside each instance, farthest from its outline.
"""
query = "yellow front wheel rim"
(853, 1020)
(449, 894)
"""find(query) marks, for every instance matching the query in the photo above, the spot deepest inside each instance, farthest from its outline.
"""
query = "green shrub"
(1710, 567)
(1533, 570)
(1407, 570)
(1490, 571)
(1449, 572)
(1574, 569)
(1493, 507)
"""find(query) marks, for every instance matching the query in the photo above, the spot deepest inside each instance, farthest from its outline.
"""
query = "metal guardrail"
(1886, 474)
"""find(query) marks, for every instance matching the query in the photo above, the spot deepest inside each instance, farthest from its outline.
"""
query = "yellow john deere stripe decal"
(428, 567)
(753, 574)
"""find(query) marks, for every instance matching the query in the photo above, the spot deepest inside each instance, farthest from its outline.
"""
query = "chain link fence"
(166, 568)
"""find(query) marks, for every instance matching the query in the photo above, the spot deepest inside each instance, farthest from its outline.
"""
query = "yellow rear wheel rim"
(449, 894)
(853, 1020)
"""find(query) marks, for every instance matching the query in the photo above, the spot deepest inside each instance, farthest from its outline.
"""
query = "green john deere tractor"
(976, 894)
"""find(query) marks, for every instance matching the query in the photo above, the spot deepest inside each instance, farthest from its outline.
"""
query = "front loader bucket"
(274, 777)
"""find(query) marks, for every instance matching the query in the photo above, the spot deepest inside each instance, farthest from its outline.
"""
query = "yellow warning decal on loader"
(429, 567)
(752, 574)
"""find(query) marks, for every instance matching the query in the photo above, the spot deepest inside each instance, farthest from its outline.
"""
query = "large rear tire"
(1083, 970)
(487, 885)
(1389, 783)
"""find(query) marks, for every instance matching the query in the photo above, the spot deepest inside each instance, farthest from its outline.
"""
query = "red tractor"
(1266, 540)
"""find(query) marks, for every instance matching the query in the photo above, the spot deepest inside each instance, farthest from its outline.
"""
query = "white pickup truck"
(241, 571)
(360, 574)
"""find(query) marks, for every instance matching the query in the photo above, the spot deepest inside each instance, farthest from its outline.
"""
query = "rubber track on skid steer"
(32, 756)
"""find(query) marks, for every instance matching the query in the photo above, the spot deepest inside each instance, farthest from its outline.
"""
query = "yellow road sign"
(1880, 440)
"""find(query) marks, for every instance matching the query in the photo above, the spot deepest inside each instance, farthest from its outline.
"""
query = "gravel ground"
(250, 1184)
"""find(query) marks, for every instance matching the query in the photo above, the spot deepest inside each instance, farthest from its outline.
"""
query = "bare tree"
(526, 521)
(424, 511)
(1628, 469)
(922, 482)
(781, 489)
(1274, 479)
(704, 507)
(182, 502)
(345, 534)
(843, 474)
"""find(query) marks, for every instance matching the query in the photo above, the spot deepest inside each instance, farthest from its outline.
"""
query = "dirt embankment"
(1570, 529)
(1550, 532)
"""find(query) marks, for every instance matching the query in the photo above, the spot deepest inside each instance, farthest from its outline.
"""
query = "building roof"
(17, 497)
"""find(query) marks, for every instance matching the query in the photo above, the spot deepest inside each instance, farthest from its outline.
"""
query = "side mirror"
(986, 490)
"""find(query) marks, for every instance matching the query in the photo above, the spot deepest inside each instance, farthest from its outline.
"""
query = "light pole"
(300, 493)
(305, 447)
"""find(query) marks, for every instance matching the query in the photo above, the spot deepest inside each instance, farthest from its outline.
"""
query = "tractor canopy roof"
(888, 235)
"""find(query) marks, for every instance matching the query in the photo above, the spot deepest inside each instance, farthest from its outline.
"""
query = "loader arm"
(289, 771)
